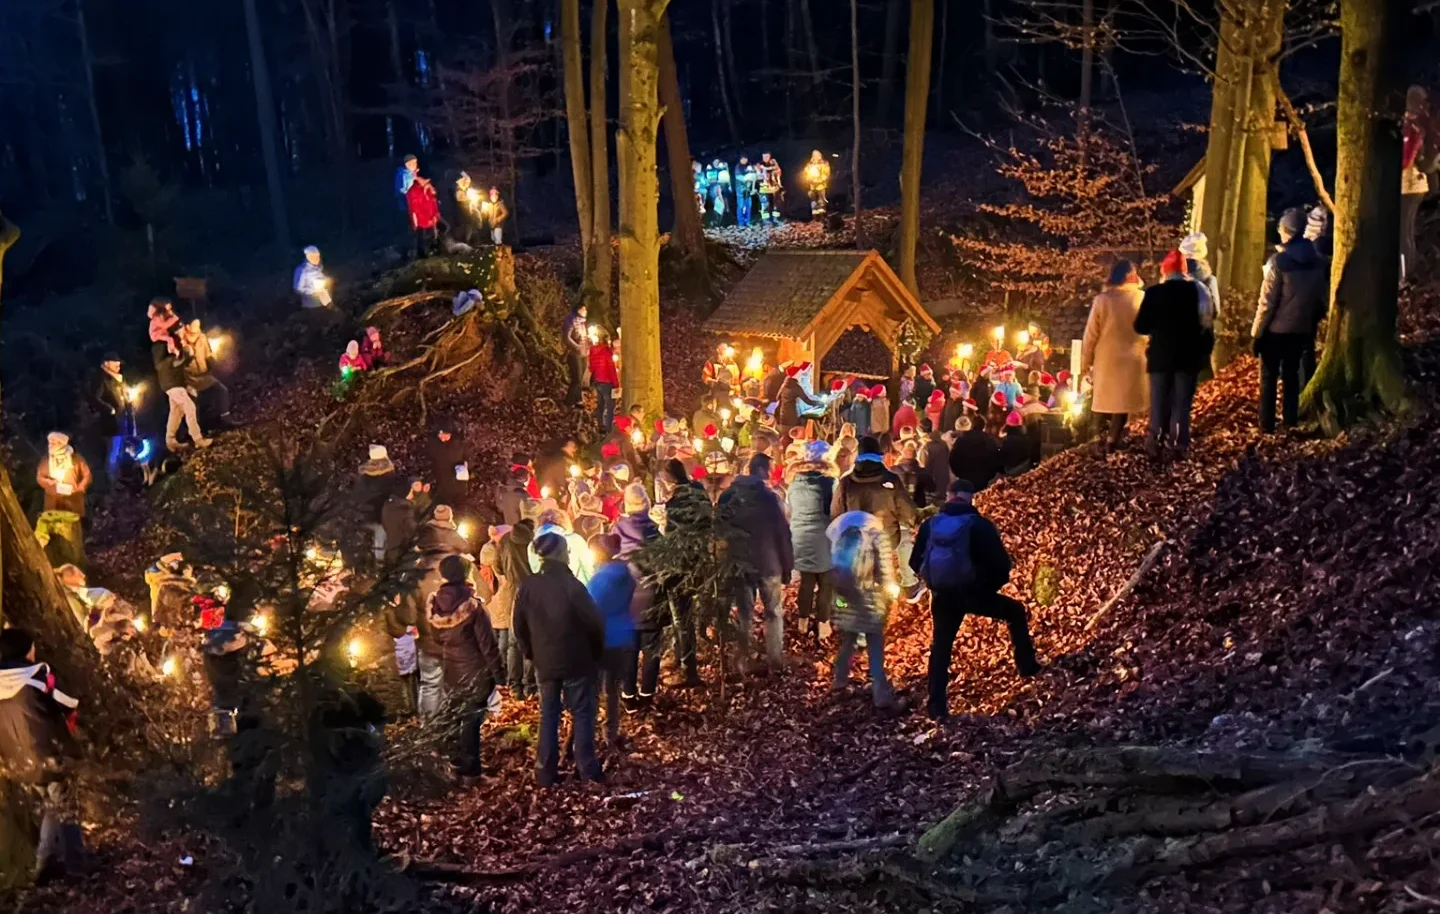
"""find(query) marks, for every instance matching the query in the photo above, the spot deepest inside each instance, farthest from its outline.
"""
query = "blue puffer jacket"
(612, 588)
(809, 499)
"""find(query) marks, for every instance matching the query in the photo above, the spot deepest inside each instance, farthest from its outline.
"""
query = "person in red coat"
(424, 215)
(605, 378)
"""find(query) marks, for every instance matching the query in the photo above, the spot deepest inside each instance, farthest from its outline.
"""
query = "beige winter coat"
(1115, 352)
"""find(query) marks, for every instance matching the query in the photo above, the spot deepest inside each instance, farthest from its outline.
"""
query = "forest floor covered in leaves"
(1293, 606)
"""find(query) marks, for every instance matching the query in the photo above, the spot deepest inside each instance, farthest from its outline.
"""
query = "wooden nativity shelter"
(804, 301)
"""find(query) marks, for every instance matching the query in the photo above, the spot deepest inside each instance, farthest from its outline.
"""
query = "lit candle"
(999, 334)
(354, 649)
(637, 436)
(544, 491)
(216, 342)
(574, 471)
(1023, 337)
(133, 392)
(1077, 409)
(725, 415)
(140, 623)
(472, 196)
(260, 622)
(170, 666)
(465, 529)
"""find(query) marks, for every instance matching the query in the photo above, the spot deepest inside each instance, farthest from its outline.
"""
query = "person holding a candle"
(817, 182)
(63, 475)
(111, 400)
(772, 189)
(449, 467)
(467, 200)
(495, 212)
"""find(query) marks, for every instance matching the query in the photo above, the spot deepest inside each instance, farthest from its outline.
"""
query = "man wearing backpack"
(960, 556)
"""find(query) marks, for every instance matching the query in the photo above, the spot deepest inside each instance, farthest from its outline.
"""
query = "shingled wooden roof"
(786, 291)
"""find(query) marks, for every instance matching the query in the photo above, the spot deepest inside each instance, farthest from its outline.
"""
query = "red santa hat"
(623, 423)
(877, 391)
(937, 397)
(956, 390)
(971, 405)
(862, 393)
(1021, 400)
(699, 473)
(709, 431)
(792, 371)
(1047, 379)
(837, 385)
(609, 450)
(659, 426)
(999, 400)
(926, 369)
(803, 366)
(986, 371)
(1064, 377)
(1013, 420)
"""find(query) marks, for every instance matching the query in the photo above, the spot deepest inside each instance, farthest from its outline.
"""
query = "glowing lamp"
(355, 649)
(1023, 337)
(965, 350)
(169, 667)
(999, 335)
(133, 392)
(725, 415)
(729, 351)
(756, 361)
(1077, 409)
(574, 471)
(545, 492)
(222, 593)
(261, 623)
(486, 206)
(812, 173)
(216, 342)
(140, 623)
(465, 528)
(699, 444)
(637, 436)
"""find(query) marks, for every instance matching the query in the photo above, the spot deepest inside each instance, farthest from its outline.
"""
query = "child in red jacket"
(604, 376)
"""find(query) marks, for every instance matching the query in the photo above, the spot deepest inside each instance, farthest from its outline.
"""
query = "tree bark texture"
(1222, 132)
(265, 117)
(889, 62)
(639, 197)
(578, 126)
(688, 234)
(1249, 242)
(1360, 369)
(601, 258)
(917, 96)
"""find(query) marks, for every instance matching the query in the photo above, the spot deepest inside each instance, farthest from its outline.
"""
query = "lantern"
(1023, 337)
(355, 649)
(133, 392)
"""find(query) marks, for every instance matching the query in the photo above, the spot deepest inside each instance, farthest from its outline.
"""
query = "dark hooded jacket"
(557, 624)
(987, 550)
(1170, 316)
(444, 457)
(167, 372)
(975, 457)
(1296, 291)
(34, 735)
(758, 533)
(936, 468)
(108, 395)
(463, 639)
(791, 396)
(872, 488)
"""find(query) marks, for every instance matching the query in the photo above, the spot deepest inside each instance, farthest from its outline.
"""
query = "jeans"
(903, 553)
(113, 458)
(642, 679)
(221, 395)
(875, 647)
(1171, 393)
(432, 685)
(769, 209)
(426, 241)
(771, 592)
(181, 406)
(578, 696)
(1282, 358)
(615, 666)
(467, 755)
(742, 208)
(575, 365)
(605, 394)
(1409, 209)
(813, 600)
(378, 543)
(1110, 427)
(517, 669)
(948, 610)
(62, 843)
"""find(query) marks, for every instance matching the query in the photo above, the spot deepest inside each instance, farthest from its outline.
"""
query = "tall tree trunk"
(397, 61)
(720, 75)
(578, 126)
(732, 79)
(815, 91)
(889, 61)
(688, 235)
(639, 196)
(601, 257)
(855, 117)
(917, 95)
(1249, 247)
(1360, 369)
(9, 234)
(503, 15)
(101, 159)
(940, 64)
(265, 117)
(1222, 131)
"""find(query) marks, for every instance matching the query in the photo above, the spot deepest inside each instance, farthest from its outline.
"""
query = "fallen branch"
(437, 871)
(1298, 127)
(401, 302)
(1151, 558)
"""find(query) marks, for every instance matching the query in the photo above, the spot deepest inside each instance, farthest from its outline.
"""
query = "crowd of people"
(480, 216)
(735, 197)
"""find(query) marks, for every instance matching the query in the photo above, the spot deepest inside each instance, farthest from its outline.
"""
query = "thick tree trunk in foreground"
(917, 96)
(1361, 369)
(889, 61)
(601, 257)
(1249, 244)
(639, 197)
(1221, 135)
(9, 234)
(578, 126)
(687, 235)
(265, 117)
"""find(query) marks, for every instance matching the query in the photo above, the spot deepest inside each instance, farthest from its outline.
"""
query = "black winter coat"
(760, 534)
(1017, 451)
(167, 372)
(557, 625)
(987, 550)
(872, 488)
(370, 494)
(791, 396)
(108, 395)
(924, 387)
(936, 471)
(1296, 291)
(33, 733)
(975, 456)
(1170, 317)
(444, 457)
(462, 638)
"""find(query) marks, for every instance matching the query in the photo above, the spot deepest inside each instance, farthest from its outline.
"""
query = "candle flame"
(998, 333)
(574, 471)
(637, 436)
(260, 622)
(354, 649)
(140, 623)
(965, 350)
(170, 666)
(1023, 337)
